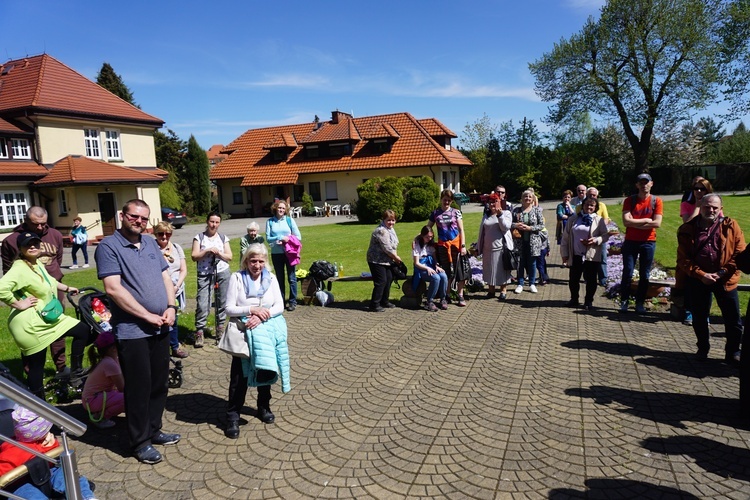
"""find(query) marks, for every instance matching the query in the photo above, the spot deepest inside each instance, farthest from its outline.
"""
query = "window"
(315, 190)
(112, 138)
(312, 151)
(3, 148)
(13, 208)
(237, 198)
(21, 149)
(62, 202)
(381, 146)
(331, 191)
(299, 190)
(340, 149)
(91, 139)
(280, 155)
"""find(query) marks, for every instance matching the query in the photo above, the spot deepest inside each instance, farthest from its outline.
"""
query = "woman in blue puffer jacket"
(255, 305)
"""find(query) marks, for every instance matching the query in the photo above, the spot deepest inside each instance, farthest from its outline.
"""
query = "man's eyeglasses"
(698, 188)
(499, 192)
(162, 233)
(136, 218)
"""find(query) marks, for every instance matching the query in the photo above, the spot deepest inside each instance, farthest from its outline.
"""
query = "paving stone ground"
(518, 399)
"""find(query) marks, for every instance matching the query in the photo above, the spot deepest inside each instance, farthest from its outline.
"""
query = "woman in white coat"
(494, 237)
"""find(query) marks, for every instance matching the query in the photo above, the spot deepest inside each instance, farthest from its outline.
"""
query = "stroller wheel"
(175, 378)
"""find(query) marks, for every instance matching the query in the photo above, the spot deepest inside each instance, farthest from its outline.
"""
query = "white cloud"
(593, 5)
(291, 80)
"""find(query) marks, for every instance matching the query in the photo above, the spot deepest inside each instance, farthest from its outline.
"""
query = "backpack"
(634, 200)
(462, 270)
(321, 270)
(203, 235)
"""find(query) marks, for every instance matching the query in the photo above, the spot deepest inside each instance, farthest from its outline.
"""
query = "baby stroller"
(84, 312)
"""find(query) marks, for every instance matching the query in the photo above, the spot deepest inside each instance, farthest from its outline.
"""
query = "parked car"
(174, 217)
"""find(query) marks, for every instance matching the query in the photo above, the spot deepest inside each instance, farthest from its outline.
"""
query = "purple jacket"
(293, 249)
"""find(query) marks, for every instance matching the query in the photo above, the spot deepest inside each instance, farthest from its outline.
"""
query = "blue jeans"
(601, 272)
(729, 303)
(281, 264)
(203, 298)
(84, 249)
(527, 262)
(437, 285)
(57, 480)
(541, 265)
(644, 252)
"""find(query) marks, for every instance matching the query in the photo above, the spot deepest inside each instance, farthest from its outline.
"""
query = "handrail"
(45, 410)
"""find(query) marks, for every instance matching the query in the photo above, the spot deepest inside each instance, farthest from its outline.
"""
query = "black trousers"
(588, 269)
(81, 335)
(700, 301)
(382, 277)
(145, 368)
(238, 392)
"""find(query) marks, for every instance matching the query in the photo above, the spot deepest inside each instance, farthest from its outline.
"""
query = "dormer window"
(312, 151)
(340, 149)
(21, 149)
(448, 143)
(280, 155)
(381, 146)
(3, 149)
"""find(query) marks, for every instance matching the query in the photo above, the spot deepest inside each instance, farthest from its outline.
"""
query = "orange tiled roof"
(435, 128)
(82, 170)
(6, 126)
(44, 85)
(413, 146)
(215, 151)
(284, 140)
(22, 169)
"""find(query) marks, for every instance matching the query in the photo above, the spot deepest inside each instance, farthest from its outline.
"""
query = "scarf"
(587, 220)
(251, 290)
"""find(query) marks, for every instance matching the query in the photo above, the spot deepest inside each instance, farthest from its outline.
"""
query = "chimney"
(338, 116)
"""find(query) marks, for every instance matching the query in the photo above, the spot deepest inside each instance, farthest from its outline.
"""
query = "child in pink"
(103, 393)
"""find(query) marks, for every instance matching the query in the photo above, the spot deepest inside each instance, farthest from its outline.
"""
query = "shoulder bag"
(54, 308)
(233, 340)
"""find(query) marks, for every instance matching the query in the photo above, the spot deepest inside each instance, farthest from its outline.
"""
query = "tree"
(196, 177)
(170, 154)
(735, 148)
(641, 61)
(474, 142)
(111, 81)
(735, 69)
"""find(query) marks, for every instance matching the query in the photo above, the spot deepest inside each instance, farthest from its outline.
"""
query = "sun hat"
(29, 426)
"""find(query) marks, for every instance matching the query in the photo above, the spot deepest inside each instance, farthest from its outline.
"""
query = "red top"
(642, 210)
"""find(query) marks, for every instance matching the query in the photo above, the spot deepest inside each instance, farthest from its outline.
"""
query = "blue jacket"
(268, 351)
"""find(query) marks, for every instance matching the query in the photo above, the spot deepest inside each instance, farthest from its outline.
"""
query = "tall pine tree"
(196, 176)
(111, 81)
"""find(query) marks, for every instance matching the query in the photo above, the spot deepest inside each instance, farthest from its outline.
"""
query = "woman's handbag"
(234, 341)
(52, 311)
(510, 259)
(399, 271)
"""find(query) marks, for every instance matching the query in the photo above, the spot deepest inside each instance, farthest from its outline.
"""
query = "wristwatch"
(172, 306)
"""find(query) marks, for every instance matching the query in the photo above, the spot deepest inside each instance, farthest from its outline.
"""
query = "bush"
(377, 195)
(420, 203)
(308, 206)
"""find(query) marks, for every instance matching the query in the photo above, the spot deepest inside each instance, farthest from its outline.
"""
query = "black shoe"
(389, 305)
(376, 309)
(233, 429)
(163, 438)
(148, 455)
(291, 306)
(265, 415)
(572, 303)
(588, 307)
(702, 354)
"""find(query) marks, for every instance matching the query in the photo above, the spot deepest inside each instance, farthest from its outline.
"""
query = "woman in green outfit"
(28, 288)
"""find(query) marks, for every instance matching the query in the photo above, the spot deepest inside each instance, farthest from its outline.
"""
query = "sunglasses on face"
(162, 233)
(499, 192)
(698, 188)
(136, 218)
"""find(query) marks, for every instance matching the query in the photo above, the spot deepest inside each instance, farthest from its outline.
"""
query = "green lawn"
(347, 243)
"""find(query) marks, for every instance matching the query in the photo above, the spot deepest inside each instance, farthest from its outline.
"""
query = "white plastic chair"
(319, 212)
(296, 212)
(336, 210)
(346, 209)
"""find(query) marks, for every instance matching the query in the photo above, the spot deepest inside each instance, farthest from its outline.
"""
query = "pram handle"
(78, 294)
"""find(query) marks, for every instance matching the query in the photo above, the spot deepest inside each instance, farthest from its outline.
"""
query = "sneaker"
(198, 339)
(389, 305)
(688, 319)
(444, 305)
(376, 309)
(104, 423)
(533, 289)
(503, 296)
(461, 301)
(640, 309)
(148, 455)
(291, 306)
(74, 266)
(430, 306)
(163, 438)
(518, 289)
(179, 352)
(85, 266)
(623, 306)
(63, 374)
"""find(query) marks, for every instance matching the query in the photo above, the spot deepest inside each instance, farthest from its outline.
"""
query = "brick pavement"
(522, 399)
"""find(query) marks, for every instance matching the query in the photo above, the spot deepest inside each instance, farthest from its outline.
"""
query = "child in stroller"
(92, 307)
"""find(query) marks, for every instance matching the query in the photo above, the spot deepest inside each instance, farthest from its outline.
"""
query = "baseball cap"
(642, 177)
(24, 239)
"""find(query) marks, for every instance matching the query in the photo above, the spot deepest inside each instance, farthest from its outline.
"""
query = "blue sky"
(216, 69)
